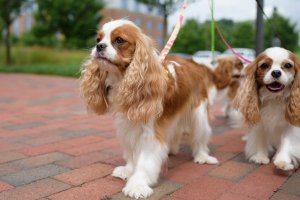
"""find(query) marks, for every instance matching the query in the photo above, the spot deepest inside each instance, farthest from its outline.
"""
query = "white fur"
(171, 69)
(273, 133)
(175, 63)
(144, 156)
(143, 152)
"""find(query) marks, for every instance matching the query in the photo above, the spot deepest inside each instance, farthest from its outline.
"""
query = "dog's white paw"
(121, 172)
(137, 190)
(202, 159)
(260, 159)
(283, 165)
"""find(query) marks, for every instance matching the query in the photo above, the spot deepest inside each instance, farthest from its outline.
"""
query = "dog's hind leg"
(201, 132)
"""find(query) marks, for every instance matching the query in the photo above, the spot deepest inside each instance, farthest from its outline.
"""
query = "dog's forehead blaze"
(126, 32)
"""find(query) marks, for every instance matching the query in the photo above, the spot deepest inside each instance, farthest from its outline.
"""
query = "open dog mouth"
(275, 87)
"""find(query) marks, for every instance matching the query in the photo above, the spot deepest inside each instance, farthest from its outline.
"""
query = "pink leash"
(174, 34)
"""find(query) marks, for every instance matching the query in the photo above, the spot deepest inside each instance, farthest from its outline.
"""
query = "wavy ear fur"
(246, 101)
(92, 87)
(293, 105)
(142, 89)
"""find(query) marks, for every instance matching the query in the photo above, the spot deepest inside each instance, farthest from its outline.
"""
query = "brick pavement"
(51, 149)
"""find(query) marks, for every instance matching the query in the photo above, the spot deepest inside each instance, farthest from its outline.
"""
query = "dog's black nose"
(101, 47)
(276, 73)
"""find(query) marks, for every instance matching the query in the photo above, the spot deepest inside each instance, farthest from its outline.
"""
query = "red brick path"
(51, 149)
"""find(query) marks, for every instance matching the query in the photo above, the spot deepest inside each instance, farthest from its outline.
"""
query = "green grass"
(41, 60)
(51, 69)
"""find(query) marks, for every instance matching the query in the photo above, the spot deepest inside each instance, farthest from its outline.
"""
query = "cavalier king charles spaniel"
(269, 99)
(228, 74)
(153, 103)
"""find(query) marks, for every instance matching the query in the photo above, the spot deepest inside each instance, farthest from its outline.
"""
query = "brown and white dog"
(269, 99)
(227, 78)
(152, 103)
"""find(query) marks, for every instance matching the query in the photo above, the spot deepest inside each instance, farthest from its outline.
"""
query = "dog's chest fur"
(273, 119)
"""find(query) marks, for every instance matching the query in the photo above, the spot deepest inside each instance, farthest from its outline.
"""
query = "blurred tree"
(195, 36)
(72, 21)
(243, 35)
(1, 30)
(285, 31)
(190, 38)
(226, 26)
(9, 11)
(166, 7)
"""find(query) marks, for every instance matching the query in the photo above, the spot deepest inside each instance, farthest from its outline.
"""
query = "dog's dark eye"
(119, 40)
(288, 65)
(264, 66)
(98, 40)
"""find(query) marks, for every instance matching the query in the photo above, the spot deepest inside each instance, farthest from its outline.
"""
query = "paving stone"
(292, 185)
(162, 189)
(85, 174)
(48, 117)
(284, 196)
(29, 175)
(84, 160)
(31, 162)
(36, 190)
(95, 190)
(204, 188)
(259, 185)
(24, 126)
(10, 156)
(232, 170)
(5, 186)
(187, 172)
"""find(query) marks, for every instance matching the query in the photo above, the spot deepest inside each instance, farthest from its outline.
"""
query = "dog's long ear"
(92, 87)
(222, 74)
(142, 89)
(246, 101)
(293, 105)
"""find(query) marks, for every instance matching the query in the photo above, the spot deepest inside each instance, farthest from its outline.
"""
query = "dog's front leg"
(282, 159)
(256, 149)
(150, 154)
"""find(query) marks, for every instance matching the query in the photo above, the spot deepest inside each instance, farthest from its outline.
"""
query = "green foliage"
(195, 36)
(1, 30)
(40, 55)
(285, 30)
(244, 35)
(41, 60)
(9, 10)
(51, 69)
(70, 22)
(190, 33)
